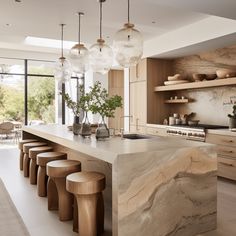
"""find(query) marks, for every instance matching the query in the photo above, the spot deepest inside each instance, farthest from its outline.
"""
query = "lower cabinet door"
(227, 167)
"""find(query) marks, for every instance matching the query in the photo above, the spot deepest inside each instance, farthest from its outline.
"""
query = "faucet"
(122, 129)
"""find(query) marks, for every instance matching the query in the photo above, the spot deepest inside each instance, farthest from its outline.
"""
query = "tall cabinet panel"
(144, 102)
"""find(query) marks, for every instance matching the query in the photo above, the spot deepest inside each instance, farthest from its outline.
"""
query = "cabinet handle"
(137, 71)
(226, 164)
(227, 151)
(137, 124)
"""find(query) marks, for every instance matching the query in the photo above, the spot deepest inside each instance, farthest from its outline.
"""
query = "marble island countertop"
(108, 150)
(157, 187)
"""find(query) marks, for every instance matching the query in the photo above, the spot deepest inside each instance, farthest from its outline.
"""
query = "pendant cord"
(128, 10)
(79, 29)
(62, 38)
(100, 19)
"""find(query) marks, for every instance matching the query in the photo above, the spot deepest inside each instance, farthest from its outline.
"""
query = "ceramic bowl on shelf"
(211, 76)
(199, 77)
(175, 77)
(225, 73)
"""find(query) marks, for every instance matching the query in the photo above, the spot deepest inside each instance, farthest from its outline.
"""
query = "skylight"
(50, 43)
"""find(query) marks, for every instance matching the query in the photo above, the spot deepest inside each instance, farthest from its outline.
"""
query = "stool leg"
(65, 200)
(75, 216)
(42, 181)
(21, 159)
(52, 195)
(87, 208)
(33, 171)
(100, 214)
(26, 165)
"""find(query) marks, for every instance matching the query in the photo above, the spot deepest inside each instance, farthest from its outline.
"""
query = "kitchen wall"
(212, 104)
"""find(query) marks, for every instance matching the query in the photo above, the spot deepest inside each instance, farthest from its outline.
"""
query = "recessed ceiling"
(154, 18)
(42, 19)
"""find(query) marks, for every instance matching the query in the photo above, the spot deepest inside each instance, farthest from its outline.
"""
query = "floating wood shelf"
(196, 85)
(175, 101)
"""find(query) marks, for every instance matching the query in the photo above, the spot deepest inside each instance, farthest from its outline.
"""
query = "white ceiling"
(41, 18)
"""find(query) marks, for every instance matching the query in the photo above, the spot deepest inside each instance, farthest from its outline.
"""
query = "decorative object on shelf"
(175, 82)
(85, 104)
(232, 119)
(225, 73)
(62, 70)
(175, 77)
(101, 55)
(211, 76)
(199, 77)
(79, 54)
(105, 106)
(75, 107)
(128, 44)
(176, 101)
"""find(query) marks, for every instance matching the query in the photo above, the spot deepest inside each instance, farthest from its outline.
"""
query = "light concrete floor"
(40, 221)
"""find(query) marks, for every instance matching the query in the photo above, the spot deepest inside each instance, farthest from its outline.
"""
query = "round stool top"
(45, 157)
(62, 168)
(27, 146)
(22, 142)
(33, 152)
(85, 182)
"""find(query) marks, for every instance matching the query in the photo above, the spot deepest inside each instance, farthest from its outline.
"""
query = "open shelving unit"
(197, 85)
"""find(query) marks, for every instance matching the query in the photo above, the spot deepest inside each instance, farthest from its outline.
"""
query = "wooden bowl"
(225, 73)
(199, 77)
(211, 76)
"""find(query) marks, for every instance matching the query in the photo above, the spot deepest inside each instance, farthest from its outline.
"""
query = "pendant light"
(128, 44)
(62, 70)
(79, 54)
(101, 55)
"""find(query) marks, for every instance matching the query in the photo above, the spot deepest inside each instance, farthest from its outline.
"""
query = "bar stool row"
(74, 193)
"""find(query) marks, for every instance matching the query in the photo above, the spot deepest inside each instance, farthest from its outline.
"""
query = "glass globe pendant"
(128, 45)
(101, 55)
(62, 69)
(79, 55)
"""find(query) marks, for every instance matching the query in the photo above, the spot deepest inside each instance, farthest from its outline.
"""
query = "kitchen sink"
(136, 136)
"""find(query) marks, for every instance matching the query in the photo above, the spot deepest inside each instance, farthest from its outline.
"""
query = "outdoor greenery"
(41, 94)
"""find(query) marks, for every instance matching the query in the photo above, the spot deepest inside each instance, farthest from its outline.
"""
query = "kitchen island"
(160, 186)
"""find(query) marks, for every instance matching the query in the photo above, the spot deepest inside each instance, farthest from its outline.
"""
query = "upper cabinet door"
(138, 72)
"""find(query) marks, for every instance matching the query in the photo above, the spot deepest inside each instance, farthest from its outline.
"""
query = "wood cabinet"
(116, 87)
(226, 150)
(138, 105)
(138, 72)
(144, 102)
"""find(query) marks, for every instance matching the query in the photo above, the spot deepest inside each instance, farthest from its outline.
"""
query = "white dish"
(175, 82)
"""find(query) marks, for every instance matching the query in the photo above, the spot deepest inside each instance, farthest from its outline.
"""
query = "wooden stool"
(87, 188)
(20, 146)
(26, 148)
(42, 160)
(57, 172)
(33, 169)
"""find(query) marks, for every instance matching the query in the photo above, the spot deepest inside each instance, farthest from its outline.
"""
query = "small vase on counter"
(102, 131)
(85, 130)
(76, 125)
